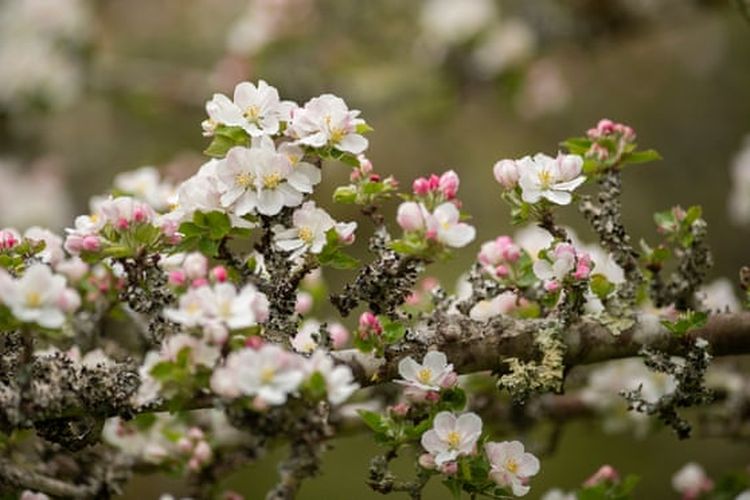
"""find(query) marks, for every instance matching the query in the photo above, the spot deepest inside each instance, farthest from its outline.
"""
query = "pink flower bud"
(374, 178)
(552, 286)
(176, 278)
(606, 473)
(195, 433)
(185, 445)
(140, 214)
(304, 303)
(195, 265)
(432, 397)
(506, 173)
(220, 274)
(449, 468)
(8, 239)
(605, 126)
(420, 186)
(449, 380)
(199, 282)
(339, 335)
(202, 452)
(583, 266)
(122, 223)
(501, 271)
(364, 164)
(448, 184)
(426, 461)
(254, 342)
(370, 323)
(410, 217)
(400, 409)
(91, 243)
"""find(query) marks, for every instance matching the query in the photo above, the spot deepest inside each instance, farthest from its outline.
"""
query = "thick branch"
(474, 346)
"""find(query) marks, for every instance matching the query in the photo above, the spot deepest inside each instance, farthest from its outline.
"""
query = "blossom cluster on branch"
(178, 326)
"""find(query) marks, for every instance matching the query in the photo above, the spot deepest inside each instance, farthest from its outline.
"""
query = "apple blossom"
(691, 481)
(552, 179)
(502, 303)
(199, 353)
(145, 184)
(39, 296)
(339, 334)
(308, 234)
(606, 473)
(507, 173)
(411, 216)
(270, 372)
(564, 259)
(9, 238)
(431, 375)
(307, 337)
(53, 252)
(304, 175)
(511, 466)
(339, 378)
(444, 226)
(327, 121)
(451, 436)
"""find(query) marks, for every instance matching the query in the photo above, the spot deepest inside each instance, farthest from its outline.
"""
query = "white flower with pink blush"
(270, 373)
(503, 303)
(307, 337)
(433, 374)
(39, 296)
(563, 260)
(506, 173)
(338, 377)
(451, 436)
(308, 232)
(327, 121)
(691, 481)
(442, 225)
(511, 466)
(256, 109)
(550, 178)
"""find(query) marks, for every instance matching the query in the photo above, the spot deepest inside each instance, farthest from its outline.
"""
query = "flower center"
(511, 465)
(225, 309)
(33, 299)
(267, 374)
(545, 178)
(454, 439)
(252, 113)
(424, 375)
(244, 179)
(272, 181)
(337, 134)
(306, 235)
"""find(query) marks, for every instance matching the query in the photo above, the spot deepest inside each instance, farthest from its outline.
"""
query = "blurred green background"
(677, 71)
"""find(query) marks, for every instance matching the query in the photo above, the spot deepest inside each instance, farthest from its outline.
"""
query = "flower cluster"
(39, 296)
(312, 228)
(218, 308)
(192, 269)
(432, 218)
(561, 263)
(367, 187)
(269, 375)
(609, 139)
(541, 177)
(452, 437)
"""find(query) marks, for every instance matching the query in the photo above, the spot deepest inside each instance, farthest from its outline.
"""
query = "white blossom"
(511, 466)
(327, 121)
(451, 436)
(691, 481)
(270, 373)
(308, 234)
(551, 178)
(307, 337)
(429, 375)
(339, 378)
(145, 184)
(39, 296)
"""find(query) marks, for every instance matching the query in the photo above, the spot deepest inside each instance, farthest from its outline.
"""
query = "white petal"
(352, 143)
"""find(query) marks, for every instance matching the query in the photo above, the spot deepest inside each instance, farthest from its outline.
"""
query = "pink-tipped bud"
(569, 166)
(140, 214)
(448, 184)
(502, 271)
(91, 243)
(370, 323)
(122, 223)
(420, 186)
(304, 303)
(195, 265)
(552, 286)
(433, 182)
(606, 473)
(506, 173)
(195, 433)
(449, 468)
(220, 274)
(449, 381)
(432, 397)
(8, 239)
(400, 409)
(364, 164)
(176, 278)
(426, 461)
(197, 283)
(202, 452)
(583, 266)
(185, 445)
(374, 178)
(254, 342)
(339, 335)
(410, 216)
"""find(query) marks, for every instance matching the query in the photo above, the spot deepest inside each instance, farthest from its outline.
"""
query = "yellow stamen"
(252, 113)
(33, 299)
(306, 235)
(454, 439)
(545, 178)
(244, 179)
(272, 181)
(511, 466)
(267, 374)
(424, 375)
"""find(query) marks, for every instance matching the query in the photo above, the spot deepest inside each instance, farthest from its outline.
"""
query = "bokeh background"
(90, 88)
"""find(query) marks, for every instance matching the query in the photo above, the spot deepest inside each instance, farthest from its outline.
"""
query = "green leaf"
(163, 370)
(338, 260)
(219, 225)
(317, 386)
(374, 421)
(689, 320)
(393, 331)
(577, 145)
(645, 156)
(601, 286)
(219, 146)
(363, 128)
(345, 194)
